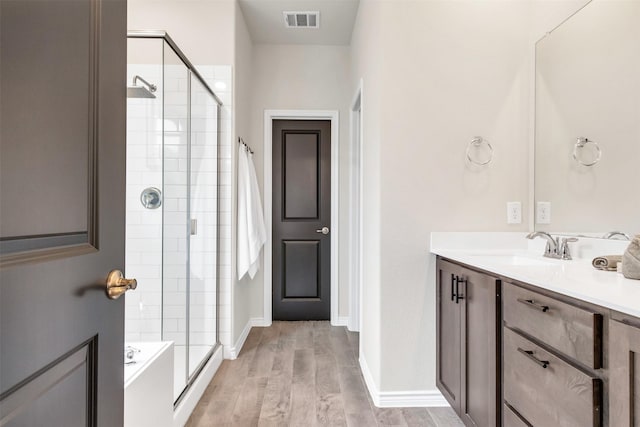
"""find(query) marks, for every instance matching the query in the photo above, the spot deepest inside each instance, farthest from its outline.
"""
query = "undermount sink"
(517, 260)
(523, 260)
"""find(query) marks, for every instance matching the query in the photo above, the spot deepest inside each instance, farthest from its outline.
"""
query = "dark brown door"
(62, 154)
(301, 220)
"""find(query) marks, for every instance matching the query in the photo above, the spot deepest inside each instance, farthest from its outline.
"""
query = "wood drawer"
(556, 395)
(574, 331)
(511, 419)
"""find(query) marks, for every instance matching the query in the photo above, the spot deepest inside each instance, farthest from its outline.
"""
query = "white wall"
(203, 29)
(445, 72)
(367, 64)
(462, 71)
(246, 290)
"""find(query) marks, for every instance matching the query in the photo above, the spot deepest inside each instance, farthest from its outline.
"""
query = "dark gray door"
(62, 183)
(301, 220)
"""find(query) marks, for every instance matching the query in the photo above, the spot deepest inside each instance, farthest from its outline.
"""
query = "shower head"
(141, 91)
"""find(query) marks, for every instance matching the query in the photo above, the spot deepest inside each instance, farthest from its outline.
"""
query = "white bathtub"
(148, 385)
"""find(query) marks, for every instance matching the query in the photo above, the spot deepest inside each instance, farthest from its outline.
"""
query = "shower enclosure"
(172, 204)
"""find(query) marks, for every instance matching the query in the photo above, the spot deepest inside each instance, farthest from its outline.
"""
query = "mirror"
(587, 128)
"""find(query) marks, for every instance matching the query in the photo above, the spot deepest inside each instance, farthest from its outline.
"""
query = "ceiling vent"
(302, 19)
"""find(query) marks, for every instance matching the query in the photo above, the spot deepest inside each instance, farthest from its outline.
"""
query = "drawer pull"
(453, 280)
(529, 354)
(532, 303)
(459, 296)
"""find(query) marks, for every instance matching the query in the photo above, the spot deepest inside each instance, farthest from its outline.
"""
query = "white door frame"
(269, 116)
(355, 213)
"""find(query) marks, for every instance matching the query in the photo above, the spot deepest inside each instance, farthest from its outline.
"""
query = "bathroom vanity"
(524, 340)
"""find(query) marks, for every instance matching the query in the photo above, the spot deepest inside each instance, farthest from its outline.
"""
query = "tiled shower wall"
(144, 227)
(143, 254)
(175, 201)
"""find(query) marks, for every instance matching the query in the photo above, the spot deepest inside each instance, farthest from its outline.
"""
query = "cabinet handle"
(532, 303)
(529, 354)
(459, 296)
(453, 279)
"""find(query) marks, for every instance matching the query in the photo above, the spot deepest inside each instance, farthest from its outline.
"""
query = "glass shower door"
(203, 237)
(175, 251)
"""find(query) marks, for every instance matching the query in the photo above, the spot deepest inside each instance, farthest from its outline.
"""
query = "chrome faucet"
(551, 250)
(612, 234)
(556, 247)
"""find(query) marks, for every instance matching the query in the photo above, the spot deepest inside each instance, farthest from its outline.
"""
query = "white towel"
(251, 229)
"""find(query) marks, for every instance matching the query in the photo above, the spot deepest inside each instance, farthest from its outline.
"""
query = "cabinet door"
(480, 349)
(448, 377)
(624, 381)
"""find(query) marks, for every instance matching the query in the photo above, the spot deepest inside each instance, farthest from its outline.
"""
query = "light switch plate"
(543, 213)
(514, 213)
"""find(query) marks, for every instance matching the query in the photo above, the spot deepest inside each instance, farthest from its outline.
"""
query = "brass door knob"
(118, 285)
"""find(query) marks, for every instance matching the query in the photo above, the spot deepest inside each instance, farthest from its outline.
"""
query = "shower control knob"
(151, 198)
(118, 285)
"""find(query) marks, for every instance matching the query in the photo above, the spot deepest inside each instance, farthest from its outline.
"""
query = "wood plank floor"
(301, 374)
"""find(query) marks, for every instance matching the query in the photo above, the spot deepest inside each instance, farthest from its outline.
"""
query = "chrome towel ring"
(475, 144)
(580, 144)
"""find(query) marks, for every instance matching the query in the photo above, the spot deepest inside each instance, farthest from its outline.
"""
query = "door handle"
(118, 285)
(323, 230)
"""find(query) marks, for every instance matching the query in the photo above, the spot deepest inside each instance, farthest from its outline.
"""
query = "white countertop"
(512, 255)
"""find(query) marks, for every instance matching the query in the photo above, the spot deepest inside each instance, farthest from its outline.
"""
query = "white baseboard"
(182, 413)
(340, 321)
(400, 399)
(232, 352)
(260, 322)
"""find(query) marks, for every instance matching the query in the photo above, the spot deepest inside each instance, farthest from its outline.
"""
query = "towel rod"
(241, 141)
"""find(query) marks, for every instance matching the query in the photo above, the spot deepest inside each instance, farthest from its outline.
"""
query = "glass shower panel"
(143, 253)
(176, 213)
(203, 211)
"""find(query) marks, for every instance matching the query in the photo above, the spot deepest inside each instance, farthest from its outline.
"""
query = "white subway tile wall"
(143, 253)
(175, 261)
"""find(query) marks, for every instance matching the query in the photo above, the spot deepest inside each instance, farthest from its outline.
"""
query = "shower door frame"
(163, 35)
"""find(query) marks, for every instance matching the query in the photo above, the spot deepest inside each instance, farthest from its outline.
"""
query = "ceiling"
(266, 22)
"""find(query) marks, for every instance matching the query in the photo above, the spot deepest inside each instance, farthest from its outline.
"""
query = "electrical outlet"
(514, 212)
(543, 213)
